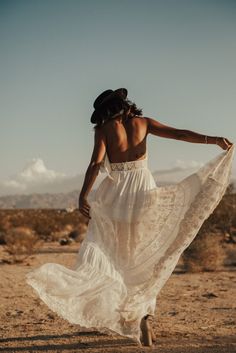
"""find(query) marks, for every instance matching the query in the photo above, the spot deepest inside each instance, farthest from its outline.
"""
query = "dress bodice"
(109, 167)
(119, 166)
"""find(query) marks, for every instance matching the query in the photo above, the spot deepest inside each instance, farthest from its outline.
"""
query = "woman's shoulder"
(140, 119)
(111, 124)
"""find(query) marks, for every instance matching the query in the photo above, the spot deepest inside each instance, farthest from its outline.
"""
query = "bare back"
(126, 140)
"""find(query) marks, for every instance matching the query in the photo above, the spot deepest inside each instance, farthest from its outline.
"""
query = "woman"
(137, 231)
(122, 131)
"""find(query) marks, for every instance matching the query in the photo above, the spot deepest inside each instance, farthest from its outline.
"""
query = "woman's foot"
(148, 336)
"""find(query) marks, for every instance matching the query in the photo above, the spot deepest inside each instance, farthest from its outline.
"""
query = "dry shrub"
(21, 242)
(82, 228)
(44, 222)
(63, 233)
(205, 253)
(224, 216)
(79, 233)
(4, 227)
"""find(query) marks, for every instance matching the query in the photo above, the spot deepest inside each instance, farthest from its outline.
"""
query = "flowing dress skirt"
(134, 239)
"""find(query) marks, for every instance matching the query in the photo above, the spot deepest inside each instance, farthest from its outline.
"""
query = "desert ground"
(195, 312)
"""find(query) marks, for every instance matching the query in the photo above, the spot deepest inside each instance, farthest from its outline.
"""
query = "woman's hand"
(223, 143)
(84, 207)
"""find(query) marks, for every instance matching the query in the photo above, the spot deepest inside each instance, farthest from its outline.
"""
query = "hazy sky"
(176, 58)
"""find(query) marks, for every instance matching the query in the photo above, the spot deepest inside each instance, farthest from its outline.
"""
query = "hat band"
(117, 114)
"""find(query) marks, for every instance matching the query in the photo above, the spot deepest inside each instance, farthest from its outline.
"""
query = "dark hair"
(114, 106)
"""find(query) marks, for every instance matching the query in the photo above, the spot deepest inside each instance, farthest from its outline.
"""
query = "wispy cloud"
(179, 163)
(35, 177)
(36, 171)
(180, 170)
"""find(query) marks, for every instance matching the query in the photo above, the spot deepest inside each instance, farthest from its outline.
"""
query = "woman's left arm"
(98, 154)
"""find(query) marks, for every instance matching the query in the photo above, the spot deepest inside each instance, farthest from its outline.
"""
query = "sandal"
(148, 336)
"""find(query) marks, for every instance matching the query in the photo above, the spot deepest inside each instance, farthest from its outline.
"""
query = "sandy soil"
(195, 313)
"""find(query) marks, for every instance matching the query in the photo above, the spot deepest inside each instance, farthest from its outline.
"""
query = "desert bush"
(2, 238)
(45, 222)
(21, 242)
(79, 233)
(224, 216)
(62, 233)
(205, 253)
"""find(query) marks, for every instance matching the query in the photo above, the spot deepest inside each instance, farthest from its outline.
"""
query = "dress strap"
(106, 166)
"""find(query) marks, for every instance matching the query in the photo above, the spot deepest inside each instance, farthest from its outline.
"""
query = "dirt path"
(195, 313)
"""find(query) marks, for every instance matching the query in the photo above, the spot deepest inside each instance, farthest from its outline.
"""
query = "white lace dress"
(135, 237)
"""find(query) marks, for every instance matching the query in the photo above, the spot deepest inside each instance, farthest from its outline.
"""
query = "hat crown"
(98, 101)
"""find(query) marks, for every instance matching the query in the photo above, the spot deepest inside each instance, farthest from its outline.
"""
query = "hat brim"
(120, 92)
(93, 118)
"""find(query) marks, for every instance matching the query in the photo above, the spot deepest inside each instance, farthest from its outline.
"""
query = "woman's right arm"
(154, 127)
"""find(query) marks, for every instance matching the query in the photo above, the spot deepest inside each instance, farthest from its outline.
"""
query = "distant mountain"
(35, 200)
(57, 200)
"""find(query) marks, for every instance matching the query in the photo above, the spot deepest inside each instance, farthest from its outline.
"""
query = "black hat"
(104, 97)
